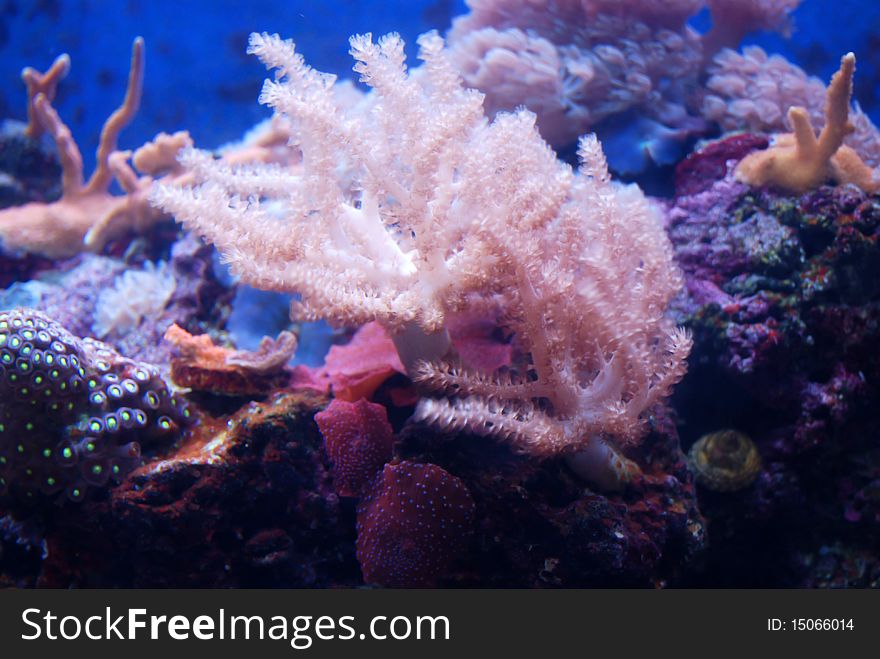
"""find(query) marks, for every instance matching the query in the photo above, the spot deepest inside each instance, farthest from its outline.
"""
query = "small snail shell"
(725, 461)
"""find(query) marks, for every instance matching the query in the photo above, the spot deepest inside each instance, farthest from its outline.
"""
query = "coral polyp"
(725, 461)
(74, 414)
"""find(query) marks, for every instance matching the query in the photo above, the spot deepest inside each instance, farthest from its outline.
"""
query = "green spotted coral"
(74, 413)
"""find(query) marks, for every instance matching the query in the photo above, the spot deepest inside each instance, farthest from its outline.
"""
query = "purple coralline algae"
(71, 291)
(783, 299)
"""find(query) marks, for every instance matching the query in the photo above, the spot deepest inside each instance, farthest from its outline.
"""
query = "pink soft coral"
(416, 209)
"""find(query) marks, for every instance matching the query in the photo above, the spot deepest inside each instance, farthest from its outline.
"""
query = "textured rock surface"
(783, 297)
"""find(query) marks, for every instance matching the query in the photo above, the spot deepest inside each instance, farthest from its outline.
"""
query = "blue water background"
(198, 76)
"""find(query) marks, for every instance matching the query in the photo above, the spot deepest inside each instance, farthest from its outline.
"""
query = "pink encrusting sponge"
(416, 521)
(358, 440)
(413, 520)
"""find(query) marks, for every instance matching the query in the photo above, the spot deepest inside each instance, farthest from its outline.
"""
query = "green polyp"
(97, 469)
(47, 453)
(67, 453)
(50, 481)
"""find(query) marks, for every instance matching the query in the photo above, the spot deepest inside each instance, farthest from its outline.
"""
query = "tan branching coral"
(800, 161)
(753, 91)
(87, 214)
(44, 84)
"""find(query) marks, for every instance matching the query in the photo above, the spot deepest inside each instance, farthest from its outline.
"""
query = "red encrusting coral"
(242, 501)
(414, 519)
(358, 440)
(202, 365)
(414, 524)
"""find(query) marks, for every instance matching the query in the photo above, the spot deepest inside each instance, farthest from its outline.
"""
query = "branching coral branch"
(402, 232)
(801, 161)
(753, 91)
(59, 229)
(87, 215)
(42, 84)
